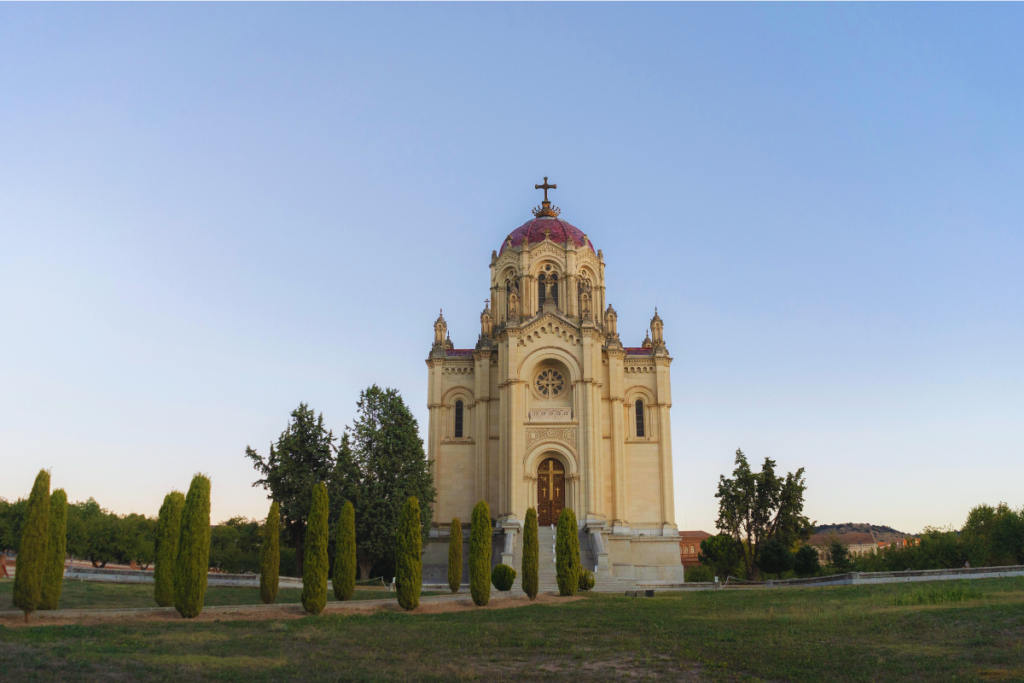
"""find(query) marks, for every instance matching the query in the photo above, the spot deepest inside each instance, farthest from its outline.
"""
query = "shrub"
(28, 577)
(838, 556)
(699, 574)
(586, 581)
(270, 555)
(806, 562)
(503, 576)
(53, 574)
(480, 554)
(409, 555)
(720, 553)
(455, 555)
(314, 558)
(193, 561)
(775, 557)
(531, 553)
(345, 547)
(567, 553)
(167, 533)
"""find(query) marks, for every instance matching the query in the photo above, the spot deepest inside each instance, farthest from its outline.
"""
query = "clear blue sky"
(209, 213)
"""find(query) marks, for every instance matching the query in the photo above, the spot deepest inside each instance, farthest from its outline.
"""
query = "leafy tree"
(586, 579)
(838, 556)
(134, 539)
(775, 557)
(531, 555)
(720, 554)
(392, 468)
(806, 562)
(12, 518)
(503, 577)
(756, 506)
(53, 574)
(167, 535)
(345, 555)
(302, 458)
(480, 554)
(993, 536)
(92, 532)
(28, 576)
(270, 555)
(315, 562)
(455, 555)
(192, 564)
(409, 556)
(567, 553)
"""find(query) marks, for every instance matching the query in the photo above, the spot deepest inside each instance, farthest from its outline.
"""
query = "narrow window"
(458, 419)
(639, 418)
(540, 291)
(554, 288)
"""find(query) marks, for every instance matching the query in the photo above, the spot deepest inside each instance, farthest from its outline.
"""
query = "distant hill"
(881, 533)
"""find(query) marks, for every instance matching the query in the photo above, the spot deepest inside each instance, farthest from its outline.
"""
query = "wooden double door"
(550, 491)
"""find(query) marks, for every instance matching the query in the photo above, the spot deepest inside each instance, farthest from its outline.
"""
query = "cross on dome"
(545, 210)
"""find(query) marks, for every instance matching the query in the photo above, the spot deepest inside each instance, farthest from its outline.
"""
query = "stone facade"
(550, 379)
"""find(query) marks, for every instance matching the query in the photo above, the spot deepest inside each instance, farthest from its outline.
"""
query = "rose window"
(550, 383)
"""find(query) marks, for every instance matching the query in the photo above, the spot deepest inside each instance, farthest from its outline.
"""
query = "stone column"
(616, 379)
(668, 506)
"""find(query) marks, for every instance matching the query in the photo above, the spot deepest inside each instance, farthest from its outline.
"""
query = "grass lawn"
(942, 631)
(95, 595)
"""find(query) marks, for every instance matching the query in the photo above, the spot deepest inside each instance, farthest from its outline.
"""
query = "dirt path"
(429, 605)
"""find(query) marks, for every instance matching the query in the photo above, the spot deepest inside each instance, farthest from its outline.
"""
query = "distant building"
(857, 543)
(689, 546)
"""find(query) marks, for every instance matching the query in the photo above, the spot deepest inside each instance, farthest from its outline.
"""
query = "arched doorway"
(550, 491)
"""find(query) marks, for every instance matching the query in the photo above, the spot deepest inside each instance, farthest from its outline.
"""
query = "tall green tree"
(455, 555)
(92, 532)
(480, 554)
(53, 575)
(315, 562)
(28, 576)
(270, 555)
(167, 535)
(345, 554)
(567, 553)
(775, 557)
(531, 555)
(756, 506)
(193, 562)
(392, 466)
(409, 555)
(838, 556)
(302, 458)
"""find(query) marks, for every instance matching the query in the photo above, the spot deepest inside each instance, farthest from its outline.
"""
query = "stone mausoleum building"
(550, 410)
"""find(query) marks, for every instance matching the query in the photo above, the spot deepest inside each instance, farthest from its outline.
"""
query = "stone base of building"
(618, 560)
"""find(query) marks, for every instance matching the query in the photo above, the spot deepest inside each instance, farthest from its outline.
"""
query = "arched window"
(554, 287)
(458, 419)
(540, 290)
(639, 418)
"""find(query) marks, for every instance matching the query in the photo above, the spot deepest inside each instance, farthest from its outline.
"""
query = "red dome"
(561, 232)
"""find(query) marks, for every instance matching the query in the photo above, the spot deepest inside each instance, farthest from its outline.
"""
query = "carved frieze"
(564, 434)
(551, 415)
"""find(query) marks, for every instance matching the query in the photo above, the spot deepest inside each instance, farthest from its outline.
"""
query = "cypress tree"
(28, 576)
(345, 563)
(409, 555)
(480, 554)
(455, 555)
(57, 531)
(314, 561)
(168, 531)
(193, 562)
(270, 555)
(531, 554)
(567, 553)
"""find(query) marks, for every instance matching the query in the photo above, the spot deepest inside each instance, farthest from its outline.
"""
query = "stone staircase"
(546, 567)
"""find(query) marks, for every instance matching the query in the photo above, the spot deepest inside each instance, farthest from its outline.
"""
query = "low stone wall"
(143, 576)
